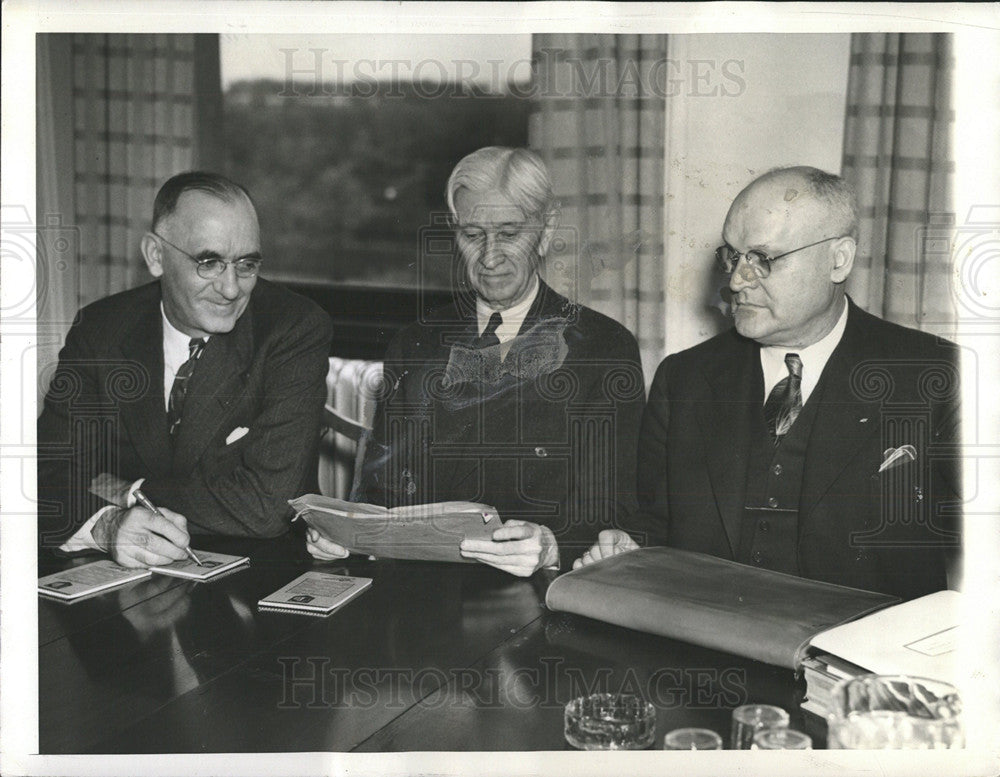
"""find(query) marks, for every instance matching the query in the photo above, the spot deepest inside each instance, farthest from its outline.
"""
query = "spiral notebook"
(212, 565)
(315, 593)
(88, 579)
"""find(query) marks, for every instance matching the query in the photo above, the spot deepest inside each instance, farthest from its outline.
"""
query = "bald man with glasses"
(199, 394)
(813, 438)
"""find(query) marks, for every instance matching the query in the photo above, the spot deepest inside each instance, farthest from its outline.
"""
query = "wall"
(738, 106)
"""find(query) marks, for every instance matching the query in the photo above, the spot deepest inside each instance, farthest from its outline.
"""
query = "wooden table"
(432, 657)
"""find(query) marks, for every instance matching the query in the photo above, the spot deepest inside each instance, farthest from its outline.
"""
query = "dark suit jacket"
(548, 436)
(104, 412)
(884, 386)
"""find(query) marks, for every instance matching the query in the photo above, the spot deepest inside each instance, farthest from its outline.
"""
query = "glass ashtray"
(608, 721)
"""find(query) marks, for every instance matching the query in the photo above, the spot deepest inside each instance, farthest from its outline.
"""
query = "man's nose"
(492, 255)
(227, 284)
(743, 276)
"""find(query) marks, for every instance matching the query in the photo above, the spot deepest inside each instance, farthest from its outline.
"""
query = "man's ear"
(844, 250)
(551, 220)
(152, 252)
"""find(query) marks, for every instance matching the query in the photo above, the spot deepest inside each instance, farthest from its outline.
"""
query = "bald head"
(800, 193)
(805, 221)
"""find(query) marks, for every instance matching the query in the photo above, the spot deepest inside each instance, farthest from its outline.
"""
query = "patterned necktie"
(784, 403)
(489, 335)
(175, 408)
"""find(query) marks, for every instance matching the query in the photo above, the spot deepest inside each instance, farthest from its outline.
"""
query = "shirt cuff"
(83, 539)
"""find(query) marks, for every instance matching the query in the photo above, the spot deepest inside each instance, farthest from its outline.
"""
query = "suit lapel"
(839, 429)
(146, 418)
(217, 381)
(736, 389)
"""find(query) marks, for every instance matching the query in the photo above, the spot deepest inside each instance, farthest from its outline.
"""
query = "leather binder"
(720, 604)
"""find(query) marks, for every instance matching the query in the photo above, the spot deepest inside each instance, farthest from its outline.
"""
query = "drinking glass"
(692, 739)
(894, 712)
(751, 718)
(608, 721)
(781, 739)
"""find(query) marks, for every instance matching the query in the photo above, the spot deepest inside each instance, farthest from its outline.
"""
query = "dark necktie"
(489, 335)
(784, 403)
(175, 408)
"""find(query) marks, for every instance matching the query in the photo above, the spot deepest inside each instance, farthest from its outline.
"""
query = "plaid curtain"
(117, 115)
(133, 122)
(897, 153)
(598, 121)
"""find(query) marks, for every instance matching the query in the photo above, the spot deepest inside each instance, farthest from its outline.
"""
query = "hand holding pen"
(142, 499)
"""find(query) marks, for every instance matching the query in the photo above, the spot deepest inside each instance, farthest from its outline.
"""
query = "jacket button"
(758, 556)
(772, 501)
(765, 526)
(541, 452)
(776, 469)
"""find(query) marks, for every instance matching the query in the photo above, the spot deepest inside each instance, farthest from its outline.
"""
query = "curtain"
(898, 155)
(598, 120)
(118, 114)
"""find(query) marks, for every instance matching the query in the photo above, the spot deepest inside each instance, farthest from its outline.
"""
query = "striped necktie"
(784, 403)
(175, 407)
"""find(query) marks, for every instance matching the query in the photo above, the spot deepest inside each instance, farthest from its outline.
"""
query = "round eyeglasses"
(211, 267)
(727, 257)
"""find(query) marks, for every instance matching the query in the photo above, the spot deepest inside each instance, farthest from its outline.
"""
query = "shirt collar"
(512, 317)
(814, 358)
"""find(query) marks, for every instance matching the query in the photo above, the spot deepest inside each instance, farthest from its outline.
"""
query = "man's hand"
(610, 542)
(321, 548)
(135, 537)
(518, 547)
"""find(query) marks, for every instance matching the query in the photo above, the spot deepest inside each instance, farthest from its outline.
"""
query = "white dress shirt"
(814, 358)
(511, 318)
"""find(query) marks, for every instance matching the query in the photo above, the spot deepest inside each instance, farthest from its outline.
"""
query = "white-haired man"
(512, 396)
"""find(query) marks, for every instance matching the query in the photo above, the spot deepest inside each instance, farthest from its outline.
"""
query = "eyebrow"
(477, 225)
(208, 255)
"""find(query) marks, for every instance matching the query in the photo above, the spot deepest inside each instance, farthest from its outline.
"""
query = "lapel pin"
(863, 421)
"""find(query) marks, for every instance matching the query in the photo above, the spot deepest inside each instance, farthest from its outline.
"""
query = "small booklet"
(88, 579)
(213, 565)
(315, 593)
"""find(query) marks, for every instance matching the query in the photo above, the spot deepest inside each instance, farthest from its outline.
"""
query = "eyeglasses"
(212, 267)
(727, 257)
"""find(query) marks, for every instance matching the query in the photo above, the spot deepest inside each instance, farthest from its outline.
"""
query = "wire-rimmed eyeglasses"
(727, 257)
(212, 267)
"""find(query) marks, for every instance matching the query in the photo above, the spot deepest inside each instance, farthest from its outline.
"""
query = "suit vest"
(769, 530)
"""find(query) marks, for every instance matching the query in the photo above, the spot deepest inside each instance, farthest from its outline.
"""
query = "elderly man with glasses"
(812, 439)
(187, 405)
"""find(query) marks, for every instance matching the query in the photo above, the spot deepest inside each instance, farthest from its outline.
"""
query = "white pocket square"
(237, 433)
(893, 457)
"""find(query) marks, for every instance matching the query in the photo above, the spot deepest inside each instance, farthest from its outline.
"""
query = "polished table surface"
(433, 656)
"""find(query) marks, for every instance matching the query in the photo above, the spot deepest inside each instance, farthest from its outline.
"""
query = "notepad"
(213, 565)
(315, 593)
(88, 579)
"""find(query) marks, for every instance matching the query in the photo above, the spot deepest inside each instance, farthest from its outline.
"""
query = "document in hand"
(429, 532)
(764, 615)
(87, 579)
(918, 638)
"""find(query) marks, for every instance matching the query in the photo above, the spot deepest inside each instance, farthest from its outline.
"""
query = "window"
(347, 141)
